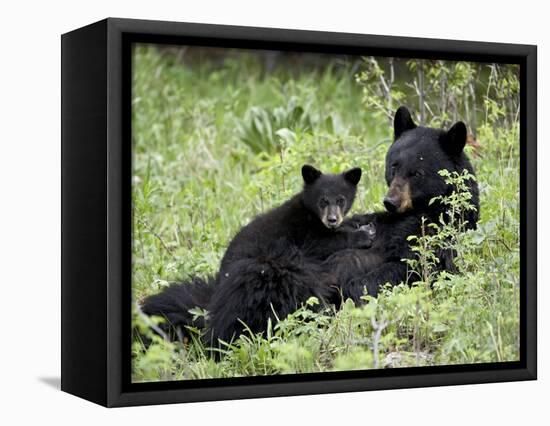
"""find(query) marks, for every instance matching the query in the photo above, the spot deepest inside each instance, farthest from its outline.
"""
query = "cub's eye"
(417, 173)
(323, 203)
(341, 202)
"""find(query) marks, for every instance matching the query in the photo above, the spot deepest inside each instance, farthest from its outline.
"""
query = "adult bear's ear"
(353, 176)
(310, 173)
(402, 122)
(454, 140)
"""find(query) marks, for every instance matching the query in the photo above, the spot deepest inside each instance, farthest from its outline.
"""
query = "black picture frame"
(96, 212)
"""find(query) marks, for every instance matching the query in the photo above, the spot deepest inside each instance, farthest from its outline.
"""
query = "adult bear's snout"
(398, 199)
(391, 204)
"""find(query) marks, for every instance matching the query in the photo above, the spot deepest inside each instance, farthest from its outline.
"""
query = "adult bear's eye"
(341, 202)
(323, 203)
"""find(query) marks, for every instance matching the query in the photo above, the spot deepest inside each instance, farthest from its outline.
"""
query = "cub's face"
(328, 196)
(414, 160)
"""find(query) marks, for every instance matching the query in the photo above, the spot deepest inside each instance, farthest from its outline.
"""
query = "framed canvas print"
(253, 212)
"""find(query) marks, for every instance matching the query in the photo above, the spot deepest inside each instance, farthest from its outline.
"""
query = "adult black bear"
(273, 265)
(412, 165)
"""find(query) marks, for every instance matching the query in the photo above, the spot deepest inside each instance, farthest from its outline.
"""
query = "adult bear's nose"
(391, 204)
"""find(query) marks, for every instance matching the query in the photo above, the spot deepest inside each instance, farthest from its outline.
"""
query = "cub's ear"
(402, 122)
(310, 173)
(353, 176)
(454, 140)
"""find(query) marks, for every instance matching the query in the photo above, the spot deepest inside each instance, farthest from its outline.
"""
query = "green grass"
(216, 145)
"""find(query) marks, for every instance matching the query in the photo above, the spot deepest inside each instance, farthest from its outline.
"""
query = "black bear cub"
(412, 164)
(273, 264)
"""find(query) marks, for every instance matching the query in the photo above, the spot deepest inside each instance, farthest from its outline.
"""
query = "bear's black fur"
(273, 264)
(174, 303)
(412, 165)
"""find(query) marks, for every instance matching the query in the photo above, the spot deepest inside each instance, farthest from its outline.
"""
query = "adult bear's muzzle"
(398, 199)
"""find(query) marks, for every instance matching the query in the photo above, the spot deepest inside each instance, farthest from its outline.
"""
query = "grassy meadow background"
(219, 137)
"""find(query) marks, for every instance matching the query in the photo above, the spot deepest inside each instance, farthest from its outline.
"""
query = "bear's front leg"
(357, 220)
(363, 237)
(387, 273)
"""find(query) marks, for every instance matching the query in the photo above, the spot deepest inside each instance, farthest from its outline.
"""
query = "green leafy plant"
(260, 127)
